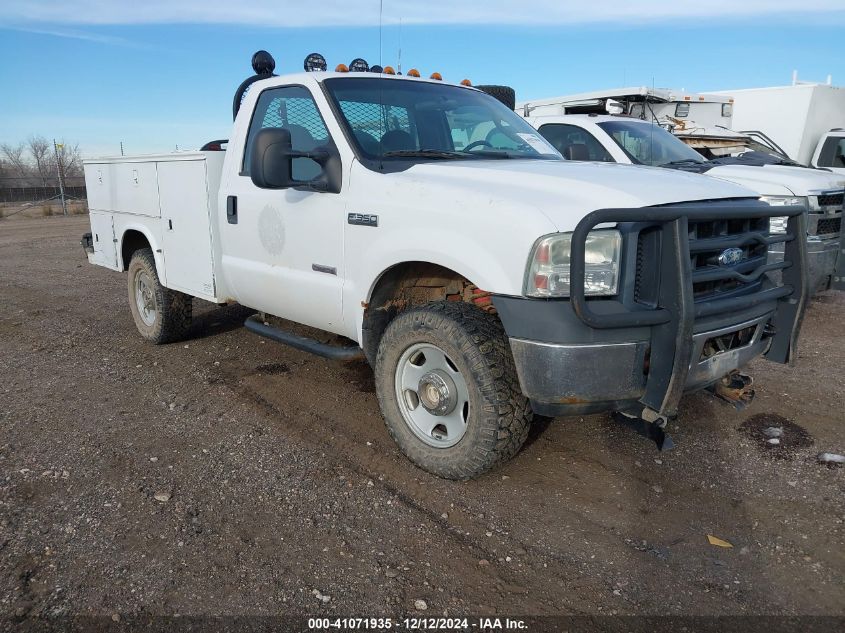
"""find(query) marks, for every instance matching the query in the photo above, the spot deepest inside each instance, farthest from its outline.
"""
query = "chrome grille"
(830, 200)
(829, 226)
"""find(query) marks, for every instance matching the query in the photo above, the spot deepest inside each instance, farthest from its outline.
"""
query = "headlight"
(548, 268)
(778, 225)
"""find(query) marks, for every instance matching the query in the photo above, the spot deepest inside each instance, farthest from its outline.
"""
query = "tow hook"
(649, 424)
(735, 388)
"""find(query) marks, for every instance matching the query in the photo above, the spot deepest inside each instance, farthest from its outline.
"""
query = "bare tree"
(13, 156)
(40, 150)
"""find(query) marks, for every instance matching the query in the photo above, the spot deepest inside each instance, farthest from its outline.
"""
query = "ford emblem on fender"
(730, 256)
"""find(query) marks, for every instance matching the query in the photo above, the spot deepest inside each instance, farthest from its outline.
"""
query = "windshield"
(649, 144)
(406, 120)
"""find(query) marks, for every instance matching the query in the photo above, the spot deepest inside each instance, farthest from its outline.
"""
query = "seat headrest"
(576, 151)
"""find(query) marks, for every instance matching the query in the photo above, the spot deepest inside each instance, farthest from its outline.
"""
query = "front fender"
(485, 267)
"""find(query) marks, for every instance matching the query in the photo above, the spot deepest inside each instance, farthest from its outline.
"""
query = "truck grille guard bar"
(673, 317)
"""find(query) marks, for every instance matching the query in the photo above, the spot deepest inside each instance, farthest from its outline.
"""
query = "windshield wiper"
(424, 153)
(683, 161)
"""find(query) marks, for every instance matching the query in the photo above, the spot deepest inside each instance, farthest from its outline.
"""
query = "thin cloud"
(79, 35)
(291, 13)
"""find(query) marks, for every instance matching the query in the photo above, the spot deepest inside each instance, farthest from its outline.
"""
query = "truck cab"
(630, 140)
(830, 152)
(440, 238)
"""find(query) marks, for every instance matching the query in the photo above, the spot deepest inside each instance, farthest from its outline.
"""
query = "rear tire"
(160, 314)
(460, 346)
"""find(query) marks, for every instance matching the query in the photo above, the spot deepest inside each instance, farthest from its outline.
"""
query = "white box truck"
(806, 120)
(484, 281)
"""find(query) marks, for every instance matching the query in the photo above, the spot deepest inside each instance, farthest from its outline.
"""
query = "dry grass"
(45, 210)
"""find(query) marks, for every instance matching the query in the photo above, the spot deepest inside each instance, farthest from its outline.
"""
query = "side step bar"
(349, 352)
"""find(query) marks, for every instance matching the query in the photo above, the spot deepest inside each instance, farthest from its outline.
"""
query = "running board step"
(256, 325)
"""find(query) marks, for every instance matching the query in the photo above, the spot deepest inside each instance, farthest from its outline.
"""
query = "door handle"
(232, 209)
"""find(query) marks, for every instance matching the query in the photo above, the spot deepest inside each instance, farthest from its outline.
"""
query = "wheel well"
(132, 241)
(411, 284)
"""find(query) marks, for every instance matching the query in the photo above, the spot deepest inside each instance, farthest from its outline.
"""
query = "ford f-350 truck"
(484, 281)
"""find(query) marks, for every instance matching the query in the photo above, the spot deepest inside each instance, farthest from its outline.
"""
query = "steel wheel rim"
(145, 298)
(424, 370)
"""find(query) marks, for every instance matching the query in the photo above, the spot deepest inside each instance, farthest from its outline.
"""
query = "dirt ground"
(230, 475)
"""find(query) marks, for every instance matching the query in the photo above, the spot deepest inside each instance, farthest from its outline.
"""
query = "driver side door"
(283, 253)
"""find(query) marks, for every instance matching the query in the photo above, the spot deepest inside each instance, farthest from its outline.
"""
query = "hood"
(565, 191)
(779, 180)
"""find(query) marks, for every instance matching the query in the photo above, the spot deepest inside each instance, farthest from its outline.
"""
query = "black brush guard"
(673, 317)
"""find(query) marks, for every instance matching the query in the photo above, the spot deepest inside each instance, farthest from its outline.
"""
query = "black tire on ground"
(505, 94)
(171, 317)
(474, 341)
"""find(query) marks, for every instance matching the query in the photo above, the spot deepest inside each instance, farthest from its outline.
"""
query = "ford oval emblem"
(730, 256)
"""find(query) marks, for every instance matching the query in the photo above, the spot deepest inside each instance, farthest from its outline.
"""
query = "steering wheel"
(475, 144)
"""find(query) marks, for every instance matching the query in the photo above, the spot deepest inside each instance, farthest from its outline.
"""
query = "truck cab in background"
(640, 135)
(830, 152)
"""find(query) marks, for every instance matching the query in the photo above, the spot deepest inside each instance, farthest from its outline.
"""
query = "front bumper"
(582, 355)
(571, 379)
(821, 262)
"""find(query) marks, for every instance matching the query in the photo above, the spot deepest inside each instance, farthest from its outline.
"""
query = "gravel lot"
(229, 475)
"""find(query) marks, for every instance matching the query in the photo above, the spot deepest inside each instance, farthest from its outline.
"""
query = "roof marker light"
(341, 68)
(358, 65)
(413, 73)
(388, 70)
(315, 63)
(436, 76)
(466, 82)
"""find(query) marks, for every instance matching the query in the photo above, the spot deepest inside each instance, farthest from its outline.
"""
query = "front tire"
(160, 314)
(448, 390)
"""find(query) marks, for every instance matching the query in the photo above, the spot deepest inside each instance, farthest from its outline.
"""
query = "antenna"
(399, 64)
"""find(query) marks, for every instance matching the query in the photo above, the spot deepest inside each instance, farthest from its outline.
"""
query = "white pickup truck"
(484, 278)
(632, 141)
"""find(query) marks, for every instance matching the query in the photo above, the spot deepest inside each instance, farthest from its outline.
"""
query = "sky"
(160, 74)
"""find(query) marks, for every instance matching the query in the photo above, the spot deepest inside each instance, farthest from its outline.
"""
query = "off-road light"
(413, 73)
(436, 76)
(263, 63)
(376, 69)
(359, 65)
(341, 68)
(315, 63)
(548, 268)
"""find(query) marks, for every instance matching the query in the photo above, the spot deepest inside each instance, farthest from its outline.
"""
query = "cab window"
(575, 143)
(833, 153)
(294, 109)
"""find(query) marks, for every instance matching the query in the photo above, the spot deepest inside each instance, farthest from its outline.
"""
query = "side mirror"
(271, 159)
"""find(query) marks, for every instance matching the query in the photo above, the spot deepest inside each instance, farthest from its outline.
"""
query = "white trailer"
(806, 120)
